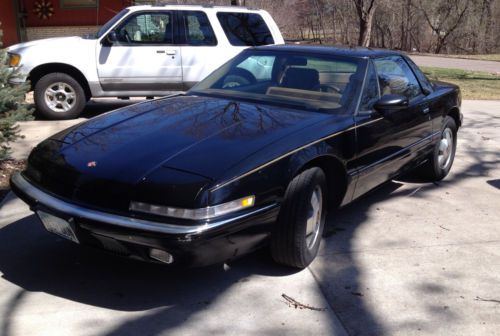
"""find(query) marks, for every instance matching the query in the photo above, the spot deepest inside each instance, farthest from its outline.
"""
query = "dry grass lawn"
(473, 84)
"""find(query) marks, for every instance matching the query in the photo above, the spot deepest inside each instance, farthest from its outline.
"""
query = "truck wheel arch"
(37, 73)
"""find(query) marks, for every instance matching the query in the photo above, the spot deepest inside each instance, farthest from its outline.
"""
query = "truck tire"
(59, 96)
(297, 236)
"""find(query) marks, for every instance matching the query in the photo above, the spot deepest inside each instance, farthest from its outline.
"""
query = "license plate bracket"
(59, 226)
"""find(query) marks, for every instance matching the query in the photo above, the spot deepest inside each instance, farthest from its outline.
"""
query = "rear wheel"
(441, 159)
(59, 96)
(297, 237)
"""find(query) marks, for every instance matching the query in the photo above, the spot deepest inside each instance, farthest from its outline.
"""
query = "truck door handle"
(171, 52)
(160, 51)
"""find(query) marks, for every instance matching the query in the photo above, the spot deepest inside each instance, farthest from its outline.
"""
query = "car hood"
(47, 43)
(201, 135)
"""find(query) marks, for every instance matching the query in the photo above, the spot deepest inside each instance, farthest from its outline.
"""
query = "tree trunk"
(365, 30)
(365, 10)
(237, 2)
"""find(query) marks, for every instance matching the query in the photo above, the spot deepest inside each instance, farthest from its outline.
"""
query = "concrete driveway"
(457, 63)
(408, 259)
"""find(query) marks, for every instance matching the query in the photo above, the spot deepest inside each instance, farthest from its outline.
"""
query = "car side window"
(396, 77)
(424, 81)
(198, 31)
(147, 28)
(245, 29)
(371, 92)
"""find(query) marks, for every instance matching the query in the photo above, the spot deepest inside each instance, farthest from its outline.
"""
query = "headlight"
(195, 214)
(14, 60)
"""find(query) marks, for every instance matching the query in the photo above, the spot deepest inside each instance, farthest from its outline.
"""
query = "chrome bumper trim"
(70, 209)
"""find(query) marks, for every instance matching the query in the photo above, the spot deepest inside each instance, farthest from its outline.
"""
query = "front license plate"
(58, 226)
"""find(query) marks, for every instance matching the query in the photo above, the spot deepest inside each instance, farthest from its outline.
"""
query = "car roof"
(194, 7)
(332, 50)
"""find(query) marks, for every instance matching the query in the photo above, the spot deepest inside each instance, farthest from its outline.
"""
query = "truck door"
(143, 57)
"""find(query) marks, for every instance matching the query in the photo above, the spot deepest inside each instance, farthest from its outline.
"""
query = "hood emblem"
(92, 164)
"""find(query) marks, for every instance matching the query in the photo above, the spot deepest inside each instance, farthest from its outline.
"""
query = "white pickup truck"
(142, 51)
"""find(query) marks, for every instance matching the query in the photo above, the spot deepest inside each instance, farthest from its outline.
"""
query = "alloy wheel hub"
(314, 219)
(445, 149)
(60, 97)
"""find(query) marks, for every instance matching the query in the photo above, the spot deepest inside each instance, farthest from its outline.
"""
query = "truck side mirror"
(111, 38)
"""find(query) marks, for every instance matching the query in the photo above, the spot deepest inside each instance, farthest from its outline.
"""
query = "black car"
(254, 154)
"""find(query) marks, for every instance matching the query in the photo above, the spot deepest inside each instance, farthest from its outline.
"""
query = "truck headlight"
(14, 60)
(194, 214)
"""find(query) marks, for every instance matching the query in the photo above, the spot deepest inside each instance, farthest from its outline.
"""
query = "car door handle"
(160, 51)
(171, 52)
(426, 110)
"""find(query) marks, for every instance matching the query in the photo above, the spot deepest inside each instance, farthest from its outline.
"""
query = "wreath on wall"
(43, 9)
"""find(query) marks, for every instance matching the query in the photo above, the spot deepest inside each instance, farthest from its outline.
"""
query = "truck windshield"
(111, 23)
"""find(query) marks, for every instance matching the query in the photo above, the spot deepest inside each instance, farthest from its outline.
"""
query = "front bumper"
(200, 244)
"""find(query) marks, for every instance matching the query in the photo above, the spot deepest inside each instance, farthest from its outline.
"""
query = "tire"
(442, 157)
(239, 77)
(59, 96)
(293, 243)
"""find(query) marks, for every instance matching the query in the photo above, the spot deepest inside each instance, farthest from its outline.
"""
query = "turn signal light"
(14, 60)
(194, 214)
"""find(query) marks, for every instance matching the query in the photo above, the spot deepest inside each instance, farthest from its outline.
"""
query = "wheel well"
(336, 177)
(455, 114)
(37, 73)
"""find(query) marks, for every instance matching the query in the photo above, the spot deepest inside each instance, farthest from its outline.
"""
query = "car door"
(143, 57)
(387, 143)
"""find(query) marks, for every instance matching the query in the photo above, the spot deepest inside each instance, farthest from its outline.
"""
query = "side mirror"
(391, 103)
(111, 38)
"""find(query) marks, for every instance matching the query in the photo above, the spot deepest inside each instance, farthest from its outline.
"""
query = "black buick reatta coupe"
(254, 154)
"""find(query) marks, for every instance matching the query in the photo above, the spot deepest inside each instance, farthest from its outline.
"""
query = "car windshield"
(311, 81)
(111, 22)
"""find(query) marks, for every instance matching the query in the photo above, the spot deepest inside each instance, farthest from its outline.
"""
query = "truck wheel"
(299, 229)
(59, 96)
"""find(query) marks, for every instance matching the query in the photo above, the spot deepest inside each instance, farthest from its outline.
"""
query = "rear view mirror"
(296, 61)
(390, 103)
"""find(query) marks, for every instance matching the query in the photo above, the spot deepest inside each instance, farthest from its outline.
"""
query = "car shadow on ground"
(37, 261)
(97, 107)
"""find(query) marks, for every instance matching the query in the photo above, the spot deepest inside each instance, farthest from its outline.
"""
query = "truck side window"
(198, 31)
(150, 28)
(245, 29)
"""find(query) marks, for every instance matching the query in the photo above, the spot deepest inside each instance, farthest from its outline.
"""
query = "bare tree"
(444, 17)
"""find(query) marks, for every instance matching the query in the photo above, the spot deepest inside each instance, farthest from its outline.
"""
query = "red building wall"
(8, 19)
(74, 17)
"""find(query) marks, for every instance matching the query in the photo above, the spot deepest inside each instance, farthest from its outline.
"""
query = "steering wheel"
(327, 88)
(238, 77)
(127, 36)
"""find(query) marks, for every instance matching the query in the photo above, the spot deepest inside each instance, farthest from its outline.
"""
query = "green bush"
(13, 107)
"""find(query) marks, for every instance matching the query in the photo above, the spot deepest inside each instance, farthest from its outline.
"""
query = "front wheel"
(296, 239)
(59, 96)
